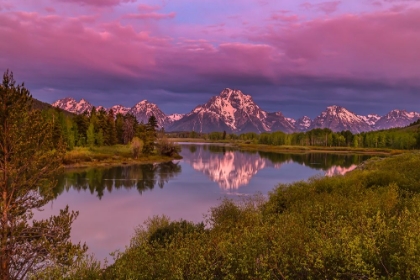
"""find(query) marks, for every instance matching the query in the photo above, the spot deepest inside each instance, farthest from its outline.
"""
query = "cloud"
(326, 7)
(148, 8)
(376, 47)
(370, 52)
(154, 16)
(50, 9)
(99, 3)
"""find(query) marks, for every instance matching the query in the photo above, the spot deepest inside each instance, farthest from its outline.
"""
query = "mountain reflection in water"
(231, 168)
(224, 165)
(187, 189)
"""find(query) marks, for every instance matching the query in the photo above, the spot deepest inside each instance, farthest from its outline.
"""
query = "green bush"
(364, 225)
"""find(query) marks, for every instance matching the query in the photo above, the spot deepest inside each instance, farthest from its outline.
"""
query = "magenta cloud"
(98, 3)
(157, 46)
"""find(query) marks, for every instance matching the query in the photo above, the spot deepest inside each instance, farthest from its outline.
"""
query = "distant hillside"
(413, 126)
(39, 105)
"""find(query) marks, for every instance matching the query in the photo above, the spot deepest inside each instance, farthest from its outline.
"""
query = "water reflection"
(338, 170)
(231, 169)
(181, 190)
(99, 180)
(224, 165)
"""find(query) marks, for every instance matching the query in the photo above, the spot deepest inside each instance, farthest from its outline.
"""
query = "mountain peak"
(234, 111)
(71, 105)
(144, 109)
(338, 118)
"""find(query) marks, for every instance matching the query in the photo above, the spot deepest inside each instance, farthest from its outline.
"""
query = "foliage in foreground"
(29, 160)
(363, 225)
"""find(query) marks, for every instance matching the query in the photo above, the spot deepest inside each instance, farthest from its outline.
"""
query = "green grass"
(314, 149)
(107, 155)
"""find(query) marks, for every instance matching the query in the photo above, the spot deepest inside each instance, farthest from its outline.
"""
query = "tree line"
(102, 128)
(395, 138)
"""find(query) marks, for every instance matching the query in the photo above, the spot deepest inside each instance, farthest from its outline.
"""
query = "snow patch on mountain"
(338, 118)
(370, 119)
(145, 109)
(174, 117)
(303, 123)
(119, 109)
(71, 105)
(397, 118)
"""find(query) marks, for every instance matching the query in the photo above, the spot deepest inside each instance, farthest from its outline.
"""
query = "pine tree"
(112, 131)
(150, 136)
(91, 135)
(129, 128)
(119, 128)
(28, 162)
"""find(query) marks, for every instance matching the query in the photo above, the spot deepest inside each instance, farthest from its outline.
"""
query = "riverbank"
(365, 222)
(199, 140)
(294, 149)
(109, 156)
(317, 149)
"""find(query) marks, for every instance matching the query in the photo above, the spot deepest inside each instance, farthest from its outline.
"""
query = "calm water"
(113, 201)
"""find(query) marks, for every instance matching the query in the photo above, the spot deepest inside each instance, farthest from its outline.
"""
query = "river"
(113, 201)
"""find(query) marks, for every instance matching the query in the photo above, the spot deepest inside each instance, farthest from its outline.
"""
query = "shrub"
(136, 146)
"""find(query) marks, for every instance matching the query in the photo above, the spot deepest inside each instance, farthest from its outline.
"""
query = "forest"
(397, 138)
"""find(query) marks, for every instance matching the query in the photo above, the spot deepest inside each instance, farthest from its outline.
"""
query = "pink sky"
(291, 56)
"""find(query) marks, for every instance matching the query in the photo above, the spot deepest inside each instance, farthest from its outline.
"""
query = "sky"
(293, 56)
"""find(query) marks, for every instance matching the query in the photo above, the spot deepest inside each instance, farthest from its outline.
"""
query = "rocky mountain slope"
(396, 118)
(235, 112)
(144, 110)
(71, 105)
(231, 111)
(338, 118)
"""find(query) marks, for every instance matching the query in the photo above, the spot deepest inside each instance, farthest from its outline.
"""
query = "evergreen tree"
(112, 131)
(103, 126)
(91, 135)
(82, 124)
(119, 128)
(150, 135)
(100, 138)
(129, 128)
(28, 164)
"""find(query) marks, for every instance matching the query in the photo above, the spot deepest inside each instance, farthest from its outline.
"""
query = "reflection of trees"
(316, 160)
(97, 180)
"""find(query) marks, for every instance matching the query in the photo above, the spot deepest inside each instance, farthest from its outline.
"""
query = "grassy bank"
(318, 149)
(243, 145)
(363, 225)
(199, 140)
(108, 156)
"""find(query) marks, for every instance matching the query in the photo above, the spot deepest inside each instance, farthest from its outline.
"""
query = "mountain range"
(235, 112)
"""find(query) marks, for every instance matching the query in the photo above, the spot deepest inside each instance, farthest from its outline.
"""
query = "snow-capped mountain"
(231, 111)
(174, 117)
(277, 121)
(396, 118)
(119, 109)
(370, 119)
(235, 112)
(303, 124)
(71, 105)
(144, 110)
(338, 118)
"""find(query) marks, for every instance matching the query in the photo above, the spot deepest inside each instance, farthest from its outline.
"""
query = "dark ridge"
(39, 105)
